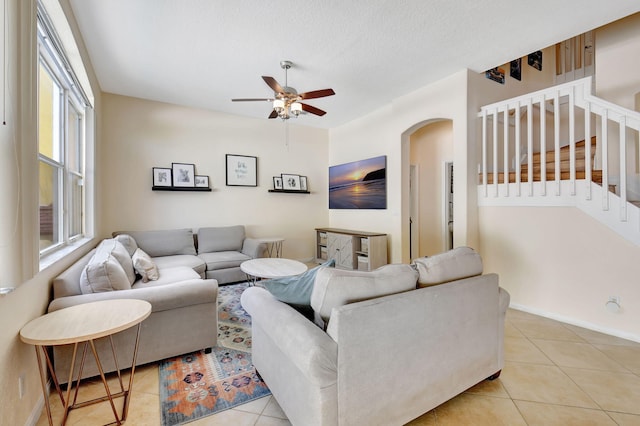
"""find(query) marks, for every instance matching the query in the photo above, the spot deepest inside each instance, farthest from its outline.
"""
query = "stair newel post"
(572, 141)
(556, 137)
(484, 152)
(530, 146)
(517, 153)
(495, 150)
(543, 145)
(605, 159)
(506, 149)
(587, 149)
(623, 168)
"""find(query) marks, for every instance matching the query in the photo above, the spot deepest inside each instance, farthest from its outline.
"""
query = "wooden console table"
(364, 251)
(84, 324)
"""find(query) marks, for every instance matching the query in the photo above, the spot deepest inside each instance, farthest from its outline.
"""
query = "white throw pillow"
(118, 250)
(103, 274)
(128, 242)
(145, 266)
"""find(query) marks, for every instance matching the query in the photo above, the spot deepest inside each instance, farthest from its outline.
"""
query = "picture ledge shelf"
(180, 188)
(289, 191)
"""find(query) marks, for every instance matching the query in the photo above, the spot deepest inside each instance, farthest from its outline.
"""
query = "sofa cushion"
(193, 262)
(145, 266)
(165, 242)
(103, 273)
(456, 264)
(223, 259)
(170, 276)
(226, 238)
(337, 287)
(128, 242)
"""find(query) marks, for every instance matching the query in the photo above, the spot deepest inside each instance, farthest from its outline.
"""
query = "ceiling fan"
(286, 100)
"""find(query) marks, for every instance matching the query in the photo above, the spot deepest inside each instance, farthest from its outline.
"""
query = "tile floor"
(554, 374)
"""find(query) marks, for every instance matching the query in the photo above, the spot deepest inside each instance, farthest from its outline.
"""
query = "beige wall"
(618, 60)
(138, 135)
(386, 132)
(559, 262)
(431, 147)
(618, 81)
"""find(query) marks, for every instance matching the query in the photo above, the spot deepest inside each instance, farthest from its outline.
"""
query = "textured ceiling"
(203, 53)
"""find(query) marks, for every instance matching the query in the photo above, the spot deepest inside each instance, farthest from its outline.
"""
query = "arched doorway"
(431, 188)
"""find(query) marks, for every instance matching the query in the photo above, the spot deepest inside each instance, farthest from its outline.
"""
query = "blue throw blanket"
(296, 290)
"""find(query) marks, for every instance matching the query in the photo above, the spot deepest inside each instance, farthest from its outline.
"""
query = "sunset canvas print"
(359, 184)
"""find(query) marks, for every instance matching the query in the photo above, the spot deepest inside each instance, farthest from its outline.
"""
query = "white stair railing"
(577, 115)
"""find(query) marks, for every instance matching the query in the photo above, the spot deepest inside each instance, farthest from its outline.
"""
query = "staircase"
(565, 162)
(548, 129)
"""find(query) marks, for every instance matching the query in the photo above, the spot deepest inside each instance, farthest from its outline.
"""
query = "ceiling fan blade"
(273, 114)
(313, 110)
(252, 100)
(271, 82)
(317, 94)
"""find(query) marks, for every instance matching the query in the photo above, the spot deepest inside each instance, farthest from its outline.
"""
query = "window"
(62, 135)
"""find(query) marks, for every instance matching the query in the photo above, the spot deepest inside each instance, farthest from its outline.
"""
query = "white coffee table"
(271, 267)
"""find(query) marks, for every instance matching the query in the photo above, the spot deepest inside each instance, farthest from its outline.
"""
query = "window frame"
(51, 56)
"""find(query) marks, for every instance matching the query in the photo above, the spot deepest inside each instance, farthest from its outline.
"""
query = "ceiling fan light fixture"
(278, 106)
(296, 108)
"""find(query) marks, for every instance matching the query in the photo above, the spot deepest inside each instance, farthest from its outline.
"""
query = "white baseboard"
(578, 323)
(37, 410)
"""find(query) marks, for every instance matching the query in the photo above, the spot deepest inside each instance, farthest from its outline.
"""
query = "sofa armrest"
(254, 248)
(505, 298)
(162, 298)
(309, 348)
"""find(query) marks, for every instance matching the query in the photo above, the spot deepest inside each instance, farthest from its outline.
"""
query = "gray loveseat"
(213, 252)
(398, 342)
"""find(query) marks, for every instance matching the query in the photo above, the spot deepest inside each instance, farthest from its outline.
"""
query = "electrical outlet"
(21, 386)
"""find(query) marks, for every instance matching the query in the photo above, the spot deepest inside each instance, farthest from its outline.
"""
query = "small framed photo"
(496, 74)
(242, 170)
(535, 59)
(202, 181)
(277, 182)
(303, 183)
(161, 176)
(290, 182)
(183, 174)
(515, 69)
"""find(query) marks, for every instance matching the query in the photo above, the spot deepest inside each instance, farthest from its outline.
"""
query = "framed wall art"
(242, 170)
(183, 174)
(535, 59)
(161, 176)
(496, 74)
(515, 69)
(202, 181)
(290, 182)
(359, 184)
(277, 182)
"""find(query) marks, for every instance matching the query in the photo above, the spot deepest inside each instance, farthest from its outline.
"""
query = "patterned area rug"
(198, 384)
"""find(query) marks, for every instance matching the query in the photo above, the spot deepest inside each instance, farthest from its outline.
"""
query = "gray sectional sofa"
(164, 268)
(397, 341)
